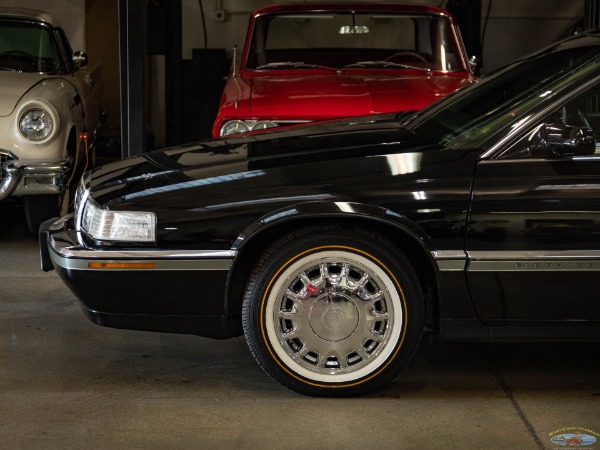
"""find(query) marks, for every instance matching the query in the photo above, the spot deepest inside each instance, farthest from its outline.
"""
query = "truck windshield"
(354, 40)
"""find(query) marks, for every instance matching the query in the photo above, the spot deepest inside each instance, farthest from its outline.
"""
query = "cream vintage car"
(50, 113)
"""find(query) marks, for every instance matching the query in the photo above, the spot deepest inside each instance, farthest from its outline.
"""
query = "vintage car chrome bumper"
(21, 177)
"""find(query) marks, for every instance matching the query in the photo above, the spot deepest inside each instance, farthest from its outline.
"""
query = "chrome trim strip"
(68, 256)
(542, 261)
(450, 260)
(546, 265)
(161, 264)
(448, 254)
(516, 261)
(527, 254)
(451, 265)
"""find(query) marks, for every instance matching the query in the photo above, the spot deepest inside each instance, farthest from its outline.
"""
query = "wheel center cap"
(333, 319)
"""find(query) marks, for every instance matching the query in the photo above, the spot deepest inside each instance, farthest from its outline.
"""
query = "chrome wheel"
(335, 315)
(332, 312)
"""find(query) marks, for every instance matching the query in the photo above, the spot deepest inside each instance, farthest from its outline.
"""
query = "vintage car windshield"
(27, 47)
(469, 117)
(359, 40)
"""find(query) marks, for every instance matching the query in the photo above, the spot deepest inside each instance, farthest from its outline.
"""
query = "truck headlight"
(36, 124)
(105, 225)
(243, 126)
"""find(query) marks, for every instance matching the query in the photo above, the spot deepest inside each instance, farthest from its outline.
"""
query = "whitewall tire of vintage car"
(333, 312)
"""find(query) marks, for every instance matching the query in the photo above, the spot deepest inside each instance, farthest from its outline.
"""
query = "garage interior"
(67, 383)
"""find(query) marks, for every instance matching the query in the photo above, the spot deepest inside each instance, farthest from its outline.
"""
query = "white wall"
(70, 14)
(518, 27)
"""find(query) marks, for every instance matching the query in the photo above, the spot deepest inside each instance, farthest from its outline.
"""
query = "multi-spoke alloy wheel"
(331, 312)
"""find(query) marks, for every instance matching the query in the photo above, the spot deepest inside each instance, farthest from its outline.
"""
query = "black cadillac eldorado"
(333, 247)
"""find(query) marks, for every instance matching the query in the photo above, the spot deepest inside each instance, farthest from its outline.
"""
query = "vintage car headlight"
(36, 124)
(105, 225)
(243, 126)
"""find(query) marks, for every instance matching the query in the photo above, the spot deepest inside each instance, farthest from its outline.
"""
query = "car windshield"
(470, 117)
(354, 40)
(26, 47)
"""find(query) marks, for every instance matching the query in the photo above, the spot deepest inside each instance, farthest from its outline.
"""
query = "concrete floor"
(67, 383)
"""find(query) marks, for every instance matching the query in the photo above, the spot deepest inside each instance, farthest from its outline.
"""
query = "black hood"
(327, 141)
(207, 194)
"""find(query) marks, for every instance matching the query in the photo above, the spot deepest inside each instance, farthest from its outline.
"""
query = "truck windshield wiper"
(293, 65)
(385, 65)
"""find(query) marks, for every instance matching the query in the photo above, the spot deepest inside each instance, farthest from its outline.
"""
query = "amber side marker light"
(118, 265)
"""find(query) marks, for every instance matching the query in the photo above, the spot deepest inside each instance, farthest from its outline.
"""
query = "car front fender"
(327, 211)
(252, 241)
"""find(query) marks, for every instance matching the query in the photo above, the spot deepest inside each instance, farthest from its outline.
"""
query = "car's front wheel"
(333, 312)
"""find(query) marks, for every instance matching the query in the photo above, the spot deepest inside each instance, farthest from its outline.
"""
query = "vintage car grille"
(4, 158)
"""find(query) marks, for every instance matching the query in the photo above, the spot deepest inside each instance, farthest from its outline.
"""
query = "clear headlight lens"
(263, 125)
(234, 127)
(131, 226)
(243, 126)
(36, 124)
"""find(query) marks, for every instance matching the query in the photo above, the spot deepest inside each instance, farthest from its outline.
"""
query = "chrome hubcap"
(333, 313)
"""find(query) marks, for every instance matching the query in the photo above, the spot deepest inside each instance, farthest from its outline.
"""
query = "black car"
(333, 247)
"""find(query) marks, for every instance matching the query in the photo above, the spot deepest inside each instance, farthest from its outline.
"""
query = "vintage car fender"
(260, 234)
(61, 99)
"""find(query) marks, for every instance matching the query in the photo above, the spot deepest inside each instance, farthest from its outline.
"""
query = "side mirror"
(565, 140)
(474, 63)
(80, 59)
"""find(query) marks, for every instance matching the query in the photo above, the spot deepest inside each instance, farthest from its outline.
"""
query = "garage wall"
(70, 14)
(516, 28)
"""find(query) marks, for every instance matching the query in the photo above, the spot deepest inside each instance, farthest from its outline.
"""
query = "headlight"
(243, 126)
(36, 124)
(105, 225)
(263, 125)
(234, 127)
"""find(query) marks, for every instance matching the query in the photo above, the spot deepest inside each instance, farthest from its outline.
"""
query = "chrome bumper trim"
(69, 255)
(16, 173)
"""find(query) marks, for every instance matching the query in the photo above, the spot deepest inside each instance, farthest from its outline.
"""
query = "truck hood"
(347, 94)
(13, 85)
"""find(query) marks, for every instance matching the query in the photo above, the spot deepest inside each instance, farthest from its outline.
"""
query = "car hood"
(240, 163)
(228, 184)
(347, 94)
(13, 85)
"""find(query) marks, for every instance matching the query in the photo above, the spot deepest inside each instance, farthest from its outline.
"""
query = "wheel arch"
(410, 238)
